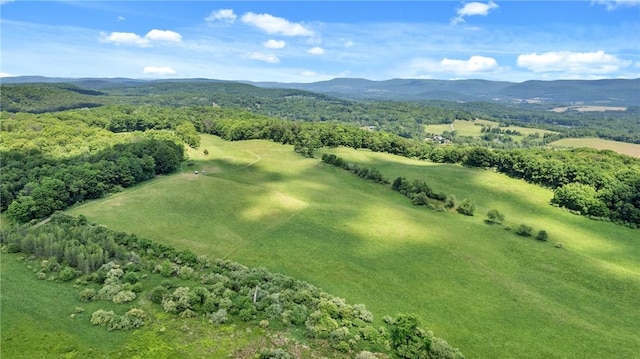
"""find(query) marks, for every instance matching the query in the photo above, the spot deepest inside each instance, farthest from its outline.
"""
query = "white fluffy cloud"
(473, 9)
(224, 15)
(275, 25)
(124, 38)
(614, 4)
(316, 50)
(597, 62)
(270, 58)
(4, 74)
(274, 44)
(163, 35)
(159, 70)
(130, 38)
(475, 64)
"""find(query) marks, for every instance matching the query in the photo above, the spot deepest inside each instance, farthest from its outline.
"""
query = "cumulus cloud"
(223, 15)
(130, 38)
(316, 50)
(270, 58)
(615, 4)
(474, 65)
(159, 70)
(274, 44)
(124, 38)
(473, 9)
(275, 25)
(163, 35)
(597, 62)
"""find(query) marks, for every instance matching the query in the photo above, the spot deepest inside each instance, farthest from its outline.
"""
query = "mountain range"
(608, 92)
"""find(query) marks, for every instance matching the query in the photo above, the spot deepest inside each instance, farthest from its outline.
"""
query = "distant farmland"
(474, 128)
(598, 143)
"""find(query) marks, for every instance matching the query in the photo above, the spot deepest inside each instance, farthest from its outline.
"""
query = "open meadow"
(630, 149)
(481, 287)
(474, 128)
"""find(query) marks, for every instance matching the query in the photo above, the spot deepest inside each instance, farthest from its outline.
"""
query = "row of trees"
(370, 173)
(221, 290)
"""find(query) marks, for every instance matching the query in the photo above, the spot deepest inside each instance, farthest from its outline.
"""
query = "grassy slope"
(485, 290)
(38, 320)
(601, 144)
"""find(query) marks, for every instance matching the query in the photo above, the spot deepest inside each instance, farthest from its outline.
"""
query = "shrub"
(466, 207)
(88, 295)
(277, 353)
(102, 317)
(450, 201)
(440, 349)
(495, 217)
(419, 199)
(219, 317)
(166, 268)
(67, 274)
(524, 230)
(542, 235)
(123, 297)
(158, 293)
(108, 291)
(130, 277)
(185, 272)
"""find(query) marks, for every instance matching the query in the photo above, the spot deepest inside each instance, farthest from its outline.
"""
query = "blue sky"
(304, 41)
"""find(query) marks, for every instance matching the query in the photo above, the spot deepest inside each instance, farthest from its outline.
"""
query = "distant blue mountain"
(618, 92)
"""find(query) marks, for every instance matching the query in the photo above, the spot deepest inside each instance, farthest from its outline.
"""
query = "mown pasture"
(630, 149)
(474, 128)
(481, 287)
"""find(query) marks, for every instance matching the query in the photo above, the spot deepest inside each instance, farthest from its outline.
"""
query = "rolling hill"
(614, 92)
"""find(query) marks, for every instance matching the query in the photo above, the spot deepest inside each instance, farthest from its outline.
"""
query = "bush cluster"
(370, 173)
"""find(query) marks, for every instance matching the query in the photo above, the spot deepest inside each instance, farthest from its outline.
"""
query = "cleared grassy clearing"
(480, 287)
(36, 318)
(601, 144)
(473, 128)
(39, 320)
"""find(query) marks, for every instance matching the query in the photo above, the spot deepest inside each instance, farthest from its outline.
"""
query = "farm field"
(473, 128)
(480, 287)
(601, 144)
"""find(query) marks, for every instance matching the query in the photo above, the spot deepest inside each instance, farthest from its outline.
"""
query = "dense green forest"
(404, 118)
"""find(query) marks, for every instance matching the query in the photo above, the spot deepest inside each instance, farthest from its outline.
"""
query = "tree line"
(34, 186)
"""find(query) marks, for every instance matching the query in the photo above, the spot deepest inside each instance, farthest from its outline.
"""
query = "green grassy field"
(601, 144)
(40, 320)
(482, 288)
(473, 128)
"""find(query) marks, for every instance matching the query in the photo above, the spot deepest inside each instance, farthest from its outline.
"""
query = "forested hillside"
(402, 117)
